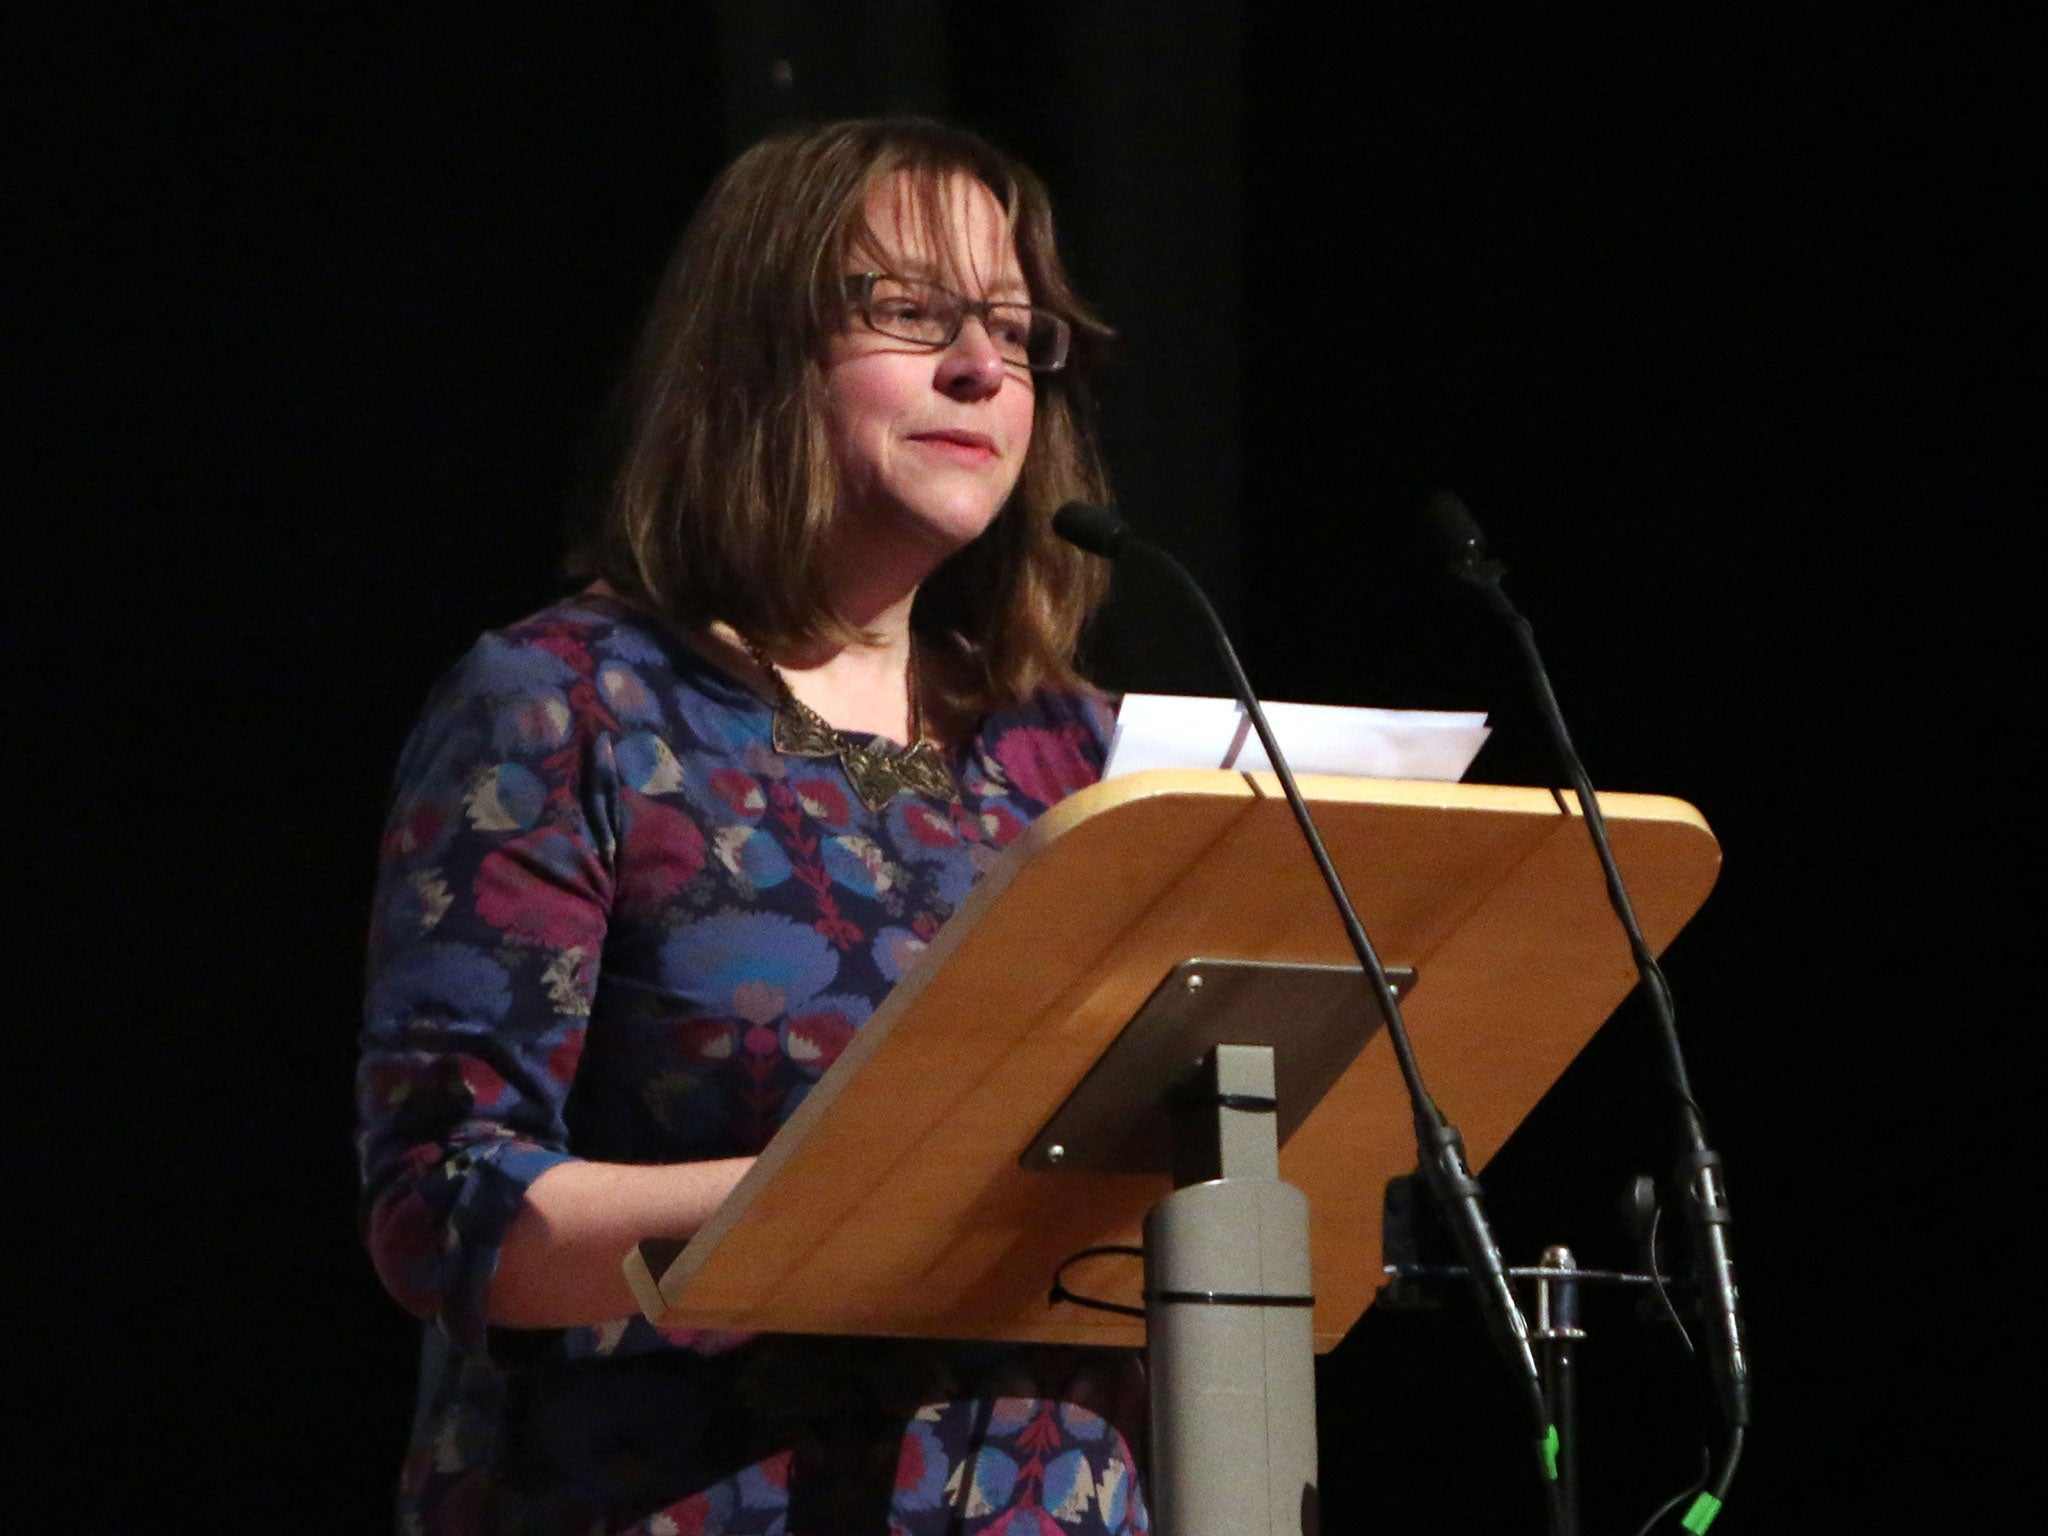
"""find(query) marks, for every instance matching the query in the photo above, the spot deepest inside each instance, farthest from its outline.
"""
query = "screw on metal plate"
(1055, 1153)
(1195, 982)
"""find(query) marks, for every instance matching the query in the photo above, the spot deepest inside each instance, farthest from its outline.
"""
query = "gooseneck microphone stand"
(1699, 1170)
(1440, 1149)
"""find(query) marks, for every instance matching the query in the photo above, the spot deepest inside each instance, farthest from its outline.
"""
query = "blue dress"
(612, 922)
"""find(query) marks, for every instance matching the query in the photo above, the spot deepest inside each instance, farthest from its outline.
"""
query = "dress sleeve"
(493, 893)
(1097, 711)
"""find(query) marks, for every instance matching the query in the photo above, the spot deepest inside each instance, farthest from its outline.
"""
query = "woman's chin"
(935, 529)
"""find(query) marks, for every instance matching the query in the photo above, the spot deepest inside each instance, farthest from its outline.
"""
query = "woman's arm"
(562, 1263)
(494, 898)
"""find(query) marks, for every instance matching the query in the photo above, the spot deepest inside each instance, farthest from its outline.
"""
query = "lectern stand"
(913, 1193)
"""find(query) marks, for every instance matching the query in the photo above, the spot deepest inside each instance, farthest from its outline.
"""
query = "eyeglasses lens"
(932, 316)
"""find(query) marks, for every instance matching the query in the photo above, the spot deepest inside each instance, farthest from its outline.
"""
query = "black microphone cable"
(1440, 1149)
(1706, 1200)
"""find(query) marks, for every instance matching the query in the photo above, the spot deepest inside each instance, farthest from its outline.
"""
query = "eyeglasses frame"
(861, 289)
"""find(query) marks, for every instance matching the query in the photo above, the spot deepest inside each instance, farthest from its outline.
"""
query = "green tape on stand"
(1701, 1515)
(1549, 1449)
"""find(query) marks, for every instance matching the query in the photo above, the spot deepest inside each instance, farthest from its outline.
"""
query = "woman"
(657, 851)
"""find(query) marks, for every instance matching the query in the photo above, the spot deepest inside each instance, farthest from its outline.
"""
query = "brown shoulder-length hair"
(726, 492)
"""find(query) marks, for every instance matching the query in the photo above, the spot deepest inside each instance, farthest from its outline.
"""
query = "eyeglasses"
(909, 309)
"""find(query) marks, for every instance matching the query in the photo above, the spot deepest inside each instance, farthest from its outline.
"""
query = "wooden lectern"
(897, 1199)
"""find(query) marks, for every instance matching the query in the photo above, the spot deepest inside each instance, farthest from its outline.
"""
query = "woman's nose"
(972, 368)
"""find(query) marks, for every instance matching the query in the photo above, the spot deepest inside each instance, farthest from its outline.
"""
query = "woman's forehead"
(952, 229)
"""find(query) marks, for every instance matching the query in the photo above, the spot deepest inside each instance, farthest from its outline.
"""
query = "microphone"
(1458, 535)
(1095, 529)
(1441, 1155)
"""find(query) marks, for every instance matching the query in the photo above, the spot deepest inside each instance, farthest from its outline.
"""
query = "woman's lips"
(970, 447)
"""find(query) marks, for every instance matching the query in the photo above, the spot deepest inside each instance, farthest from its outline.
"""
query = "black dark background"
(1721, 317)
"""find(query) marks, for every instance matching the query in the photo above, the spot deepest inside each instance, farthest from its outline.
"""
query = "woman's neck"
(862, 687)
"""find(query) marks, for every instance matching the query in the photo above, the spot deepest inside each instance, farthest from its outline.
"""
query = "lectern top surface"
(896, 1201)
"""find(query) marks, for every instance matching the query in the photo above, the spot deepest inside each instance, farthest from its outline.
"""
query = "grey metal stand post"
(1229, 1325)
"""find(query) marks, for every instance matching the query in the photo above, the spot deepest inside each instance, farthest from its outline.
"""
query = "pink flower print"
(1044, 765)
(543, 887)
(418, 831)
(814, 1040)
(406, 1239)
(1000, 826)
(705, 1040)
(930, 826)
(563, 1058)
(741, 791)
(664, 851)
(921, 1467)
(486, 1087)
(823, 800)
(559, 640)
(685, 1517)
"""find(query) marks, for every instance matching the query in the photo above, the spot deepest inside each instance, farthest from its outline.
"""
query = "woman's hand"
(562, 1265)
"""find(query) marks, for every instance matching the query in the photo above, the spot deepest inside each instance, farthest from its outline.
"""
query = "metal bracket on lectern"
(1317, 1018)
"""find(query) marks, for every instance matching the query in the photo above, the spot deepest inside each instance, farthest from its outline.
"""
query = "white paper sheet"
(1156, 730)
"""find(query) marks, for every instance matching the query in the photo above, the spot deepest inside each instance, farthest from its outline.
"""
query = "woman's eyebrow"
(1012, 290)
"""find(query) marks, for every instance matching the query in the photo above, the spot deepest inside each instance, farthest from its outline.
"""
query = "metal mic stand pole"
(1557, 1330)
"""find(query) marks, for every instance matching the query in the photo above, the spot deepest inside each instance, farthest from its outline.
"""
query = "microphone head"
(1095, 529)
(1456, 531)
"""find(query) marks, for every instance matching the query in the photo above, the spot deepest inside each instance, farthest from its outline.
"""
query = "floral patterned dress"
(612, 922)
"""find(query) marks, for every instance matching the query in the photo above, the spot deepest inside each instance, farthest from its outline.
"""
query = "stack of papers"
(1156, 730)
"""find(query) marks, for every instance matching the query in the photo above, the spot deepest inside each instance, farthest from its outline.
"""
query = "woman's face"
(929, 441)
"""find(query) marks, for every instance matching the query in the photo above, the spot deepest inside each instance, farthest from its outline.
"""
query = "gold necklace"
(878, 772)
